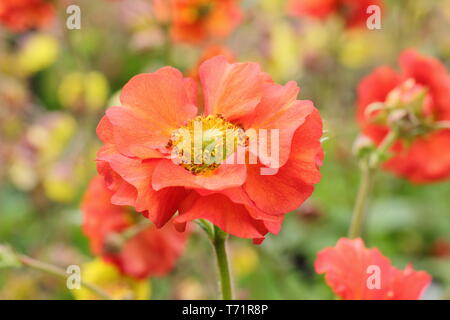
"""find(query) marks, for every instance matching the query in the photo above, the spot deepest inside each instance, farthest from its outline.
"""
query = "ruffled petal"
(159, 206)
(231, 217)
(232, 90)
(426, 160)
(153, 252)
(432, 74)
(375, 88)
(409, 284)
(168, 174)
(153, 105)
(278, 110)
(349, 267)
(293, 183)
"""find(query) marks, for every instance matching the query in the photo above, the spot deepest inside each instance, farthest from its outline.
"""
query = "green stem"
(59, 272)
(219, 244)
(361, 202)
(369, 169)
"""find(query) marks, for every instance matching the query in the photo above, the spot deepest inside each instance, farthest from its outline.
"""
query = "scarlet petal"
(152, 252)
(125, 195)
(432, 74)
(159, 205)
(348, 266)
(279, 110)
(230, 217)
(100, 216)
(426, 160)
(105, 130)
(320, 9)
(410, 284)
(293, 183)
(375, 88)
(133, 137)
(168, 174)
(232, 90)
(153, 105)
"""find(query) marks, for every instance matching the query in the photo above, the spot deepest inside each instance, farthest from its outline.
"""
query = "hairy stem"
(219, 245)
(369, 168)
(361, 202)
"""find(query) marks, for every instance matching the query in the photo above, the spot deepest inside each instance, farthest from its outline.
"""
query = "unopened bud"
(363, 146)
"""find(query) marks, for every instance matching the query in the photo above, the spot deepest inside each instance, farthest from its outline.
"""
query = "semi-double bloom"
(415, 101)
(22, 15)
(195, 21)
(353, 12)
(138, 251)
(357, 273)
(143, 160)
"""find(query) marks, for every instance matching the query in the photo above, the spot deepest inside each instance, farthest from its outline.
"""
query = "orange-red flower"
(357, 273)
(418, 100)
(143, 159)
(194, 21)
(22, 15)
(353, 12)
(146, 252)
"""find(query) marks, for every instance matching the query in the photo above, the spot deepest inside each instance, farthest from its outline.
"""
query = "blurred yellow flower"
(22, 174)
(285, 54)
(39, 52)
(316, 36)
(58, 187)
(244, 260)
(51, 140)
(78, 90)
(107, 277)
(360, 48)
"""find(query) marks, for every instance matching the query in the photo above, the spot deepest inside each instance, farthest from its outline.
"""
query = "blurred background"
(56, 83)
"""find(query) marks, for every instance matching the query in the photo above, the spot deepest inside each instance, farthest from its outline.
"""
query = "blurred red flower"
(22, 15)
(194, 21)
(149, 252)
(143, 139)
(353, 12)
(418, 98)
(349, 266)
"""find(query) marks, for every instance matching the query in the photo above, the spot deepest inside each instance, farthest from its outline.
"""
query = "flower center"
(205, 142)
(196, 12)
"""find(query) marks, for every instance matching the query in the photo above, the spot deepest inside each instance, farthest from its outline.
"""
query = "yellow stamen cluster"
(205, 142)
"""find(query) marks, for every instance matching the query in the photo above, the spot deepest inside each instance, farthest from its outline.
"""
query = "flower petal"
(426, 160)
(278, 110)
(375, 88)
(230, 217)
(349, 266)
(158, 206)
(168, 174)
(153, 105)
(432, 74)
(293, 183)
(232, 90)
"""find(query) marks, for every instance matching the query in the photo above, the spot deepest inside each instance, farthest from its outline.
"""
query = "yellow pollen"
(205, 142)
